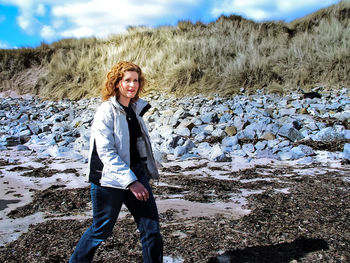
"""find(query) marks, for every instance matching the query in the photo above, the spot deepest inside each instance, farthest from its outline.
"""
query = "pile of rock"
(257, 126)
(57, 129)
(254, 126)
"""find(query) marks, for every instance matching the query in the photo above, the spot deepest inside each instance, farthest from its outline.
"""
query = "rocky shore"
(219, 129)
(259, 178)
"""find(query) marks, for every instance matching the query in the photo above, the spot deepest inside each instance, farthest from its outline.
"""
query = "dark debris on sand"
(55, 201)
(309, 223)
(46, 172)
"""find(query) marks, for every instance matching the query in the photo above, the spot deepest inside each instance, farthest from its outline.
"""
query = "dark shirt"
(135, 132)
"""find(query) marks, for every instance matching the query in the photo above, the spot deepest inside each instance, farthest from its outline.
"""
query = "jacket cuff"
(128, 185)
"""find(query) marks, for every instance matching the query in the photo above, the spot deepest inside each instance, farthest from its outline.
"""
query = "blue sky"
(28, 23)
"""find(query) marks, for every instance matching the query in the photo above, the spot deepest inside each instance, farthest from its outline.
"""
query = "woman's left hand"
(139, 191)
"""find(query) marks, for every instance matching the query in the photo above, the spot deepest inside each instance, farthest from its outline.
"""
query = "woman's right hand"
(139, 191)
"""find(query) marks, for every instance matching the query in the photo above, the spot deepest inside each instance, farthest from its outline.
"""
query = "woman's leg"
(146, 217)
(106, 205)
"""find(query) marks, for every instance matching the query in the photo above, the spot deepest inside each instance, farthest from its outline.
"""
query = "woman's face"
(128, 86)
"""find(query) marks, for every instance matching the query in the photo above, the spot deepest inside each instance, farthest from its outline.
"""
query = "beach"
(210, 212)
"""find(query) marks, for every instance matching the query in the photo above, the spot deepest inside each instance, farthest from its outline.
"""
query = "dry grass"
(219, 57)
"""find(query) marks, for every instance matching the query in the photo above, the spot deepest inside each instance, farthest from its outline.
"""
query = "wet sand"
(210, 212)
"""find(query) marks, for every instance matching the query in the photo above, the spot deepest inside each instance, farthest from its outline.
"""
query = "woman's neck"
(124, 101)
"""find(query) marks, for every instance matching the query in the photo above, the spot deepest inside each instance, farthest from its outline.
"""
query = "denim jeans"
(106, 204)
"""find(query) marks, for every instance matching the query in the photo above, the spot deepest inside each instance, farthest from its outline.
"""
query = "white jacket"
(109, 157)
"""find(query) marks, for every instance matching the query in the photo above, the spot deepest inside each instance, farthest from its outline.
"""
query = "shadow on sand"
(281, 253)
(4, 203)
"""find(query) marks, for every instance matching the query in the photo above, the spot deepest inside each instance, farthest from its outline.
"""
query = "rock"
(200, 137)
(238, 122)
(22, 148)
(248, 148)
(204, 149)
(26, 132)
(302, 151)
(328, 134)
(260, 145)
(165, 131)
(346, 134)
(290, 132)
(24, 118)
(186, 123)
(260, 154)
(218, 155)
(10, 140)
(209, 117)
(303, 111)
(346, 152)
(3, 147)
(287, 112)
(231, 130)
(218, 132)
(160, 157)
(285, 156)
(208, 129)
(268, 136)
(230, 141)
(183, 132)
(306, 160)
(82, 143)
(34, 128)
(181, 150)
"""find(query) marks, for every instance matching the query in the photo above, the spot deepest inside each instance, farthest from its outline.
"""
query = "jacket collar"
(140, 106)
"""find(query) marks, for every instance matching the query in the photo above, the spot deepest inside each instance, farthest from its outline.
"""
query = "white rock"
(183, 131)
(328, 134)
(248, 148)
(22, 148)
(230, 141)
(260, 145)
(302, 151)
(217, 154)
(346, 152)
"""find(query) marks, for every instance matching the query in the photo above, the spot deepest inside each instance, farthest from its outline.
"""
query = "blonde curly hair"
(116, 74)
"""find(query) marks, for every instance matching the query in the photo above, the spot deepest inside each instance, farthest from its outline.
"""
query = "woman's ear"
(116, 85)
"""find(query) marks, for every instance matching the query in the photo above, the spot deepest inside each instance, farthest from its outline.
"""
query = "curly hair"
(116, 74)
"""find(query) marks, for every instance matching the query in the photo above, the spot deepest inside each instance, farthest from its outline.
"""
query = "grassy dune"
(220, 57)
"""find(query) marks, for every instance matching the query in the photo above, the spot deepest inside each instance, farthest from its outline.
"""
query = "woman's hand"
(139, 191)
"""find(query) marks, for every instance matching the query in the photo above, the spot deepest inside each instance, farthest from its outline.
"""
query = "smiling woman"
(128, 87)
(122, 74)
(121, 163)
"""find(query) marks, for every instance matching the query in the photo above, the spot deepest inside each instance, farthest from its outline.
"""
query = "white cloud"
(103, 17)
(40, 10)
(4, 45)
(47, 32)
(79, 18)
(266, 9)
(82, 18)
(290, 6)
(258, 14)
(77, 32)
(28, 10)
(24, 22)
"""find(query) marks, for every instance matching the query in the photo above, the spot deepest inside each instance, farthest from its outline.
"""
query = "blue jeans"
(106, 204)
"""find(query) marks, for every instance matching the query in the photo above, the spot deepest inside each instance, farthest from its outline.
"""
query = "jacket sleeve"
(115, 171)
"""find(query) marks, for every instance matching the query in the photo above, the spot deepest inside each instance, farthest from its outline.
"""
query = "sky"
(28, 23)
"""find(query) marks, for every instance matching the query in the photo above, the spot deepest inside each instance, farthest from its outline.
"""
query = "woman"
(120, 165)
